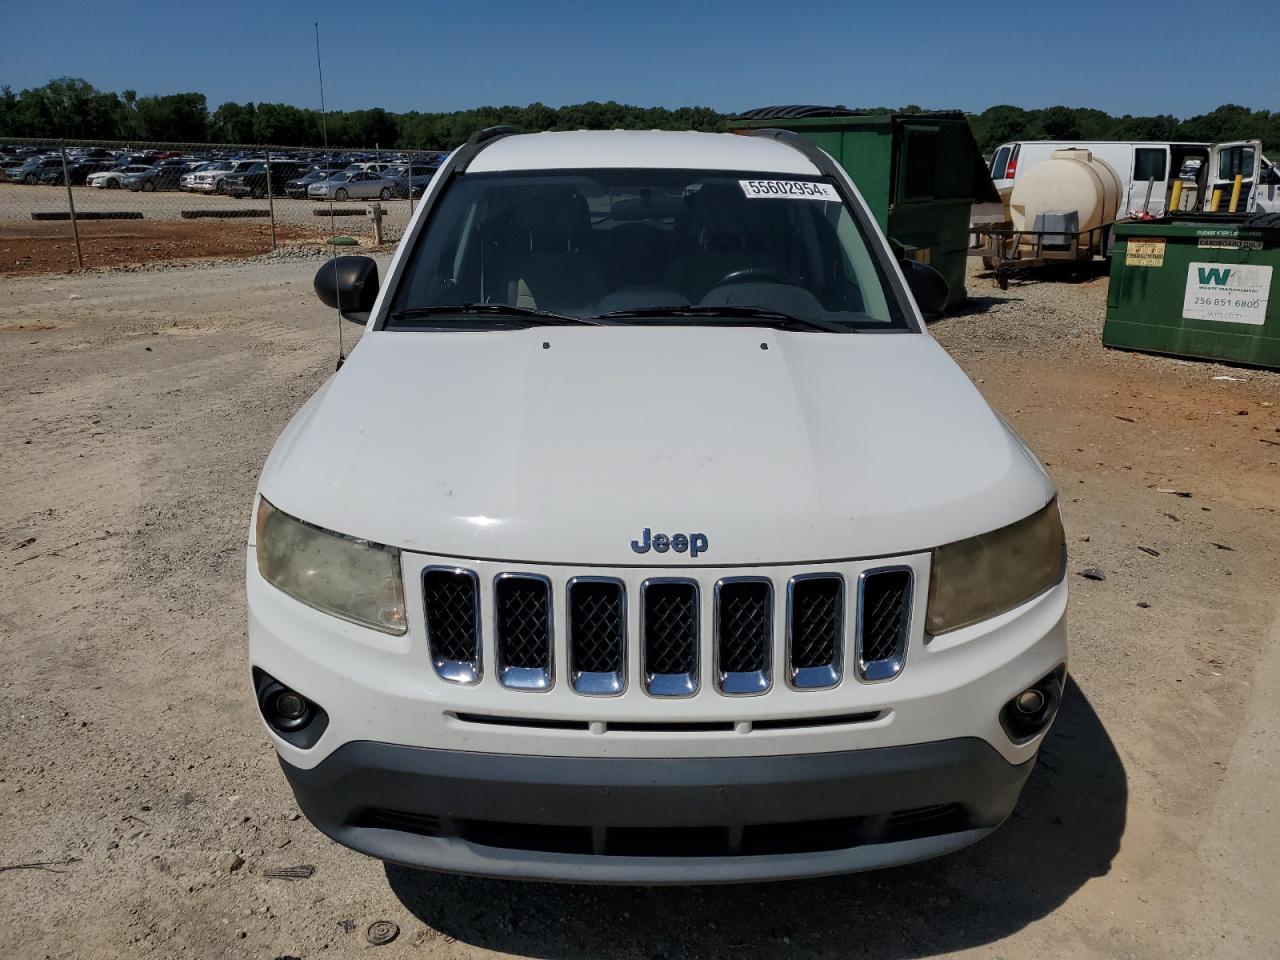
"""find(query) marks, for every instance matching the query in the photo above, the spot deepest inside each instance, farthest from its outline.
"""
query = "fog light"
(1029, 714)
(292, 707)
(290, 715)
(285, 709)
(1030, 702)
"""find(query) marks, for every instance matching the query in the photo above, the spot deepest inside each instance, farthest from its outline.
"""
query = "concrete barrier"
(87, 215)
(223, 214)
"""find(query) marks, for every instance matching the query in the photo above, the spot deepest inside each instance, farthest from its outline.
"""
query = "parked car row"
(316, 177)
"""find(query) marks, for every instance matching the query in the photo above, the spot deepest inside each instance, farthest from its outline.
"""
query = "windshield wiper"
(529, 315)
(755, 316)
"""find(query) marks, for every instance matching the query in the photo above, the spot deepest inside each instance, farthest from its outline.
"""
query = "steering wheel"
(753, 275)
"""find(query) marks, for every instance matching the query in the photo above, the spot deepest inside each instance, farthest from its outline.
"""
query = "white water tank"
(1070, 180)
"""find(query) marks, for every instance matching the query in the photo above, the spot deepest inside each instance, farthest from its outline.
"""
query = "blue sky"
(1133, 57)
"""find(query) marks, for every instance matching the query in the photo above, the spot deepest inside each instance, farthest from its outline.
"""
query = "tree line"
(73, 109)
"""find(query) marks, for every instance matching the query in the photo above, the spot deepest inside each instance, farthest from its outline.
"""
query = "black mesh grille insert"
(815, 621)
(450, 599)
(670, 628)
(596, 626)
(886, 610)
(744, 626)
(523, 625)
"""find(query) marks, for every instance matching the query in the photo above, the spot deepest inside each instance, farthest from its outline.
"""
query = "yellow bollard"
(1215, 199)
(1235, 193)
(1175, 199)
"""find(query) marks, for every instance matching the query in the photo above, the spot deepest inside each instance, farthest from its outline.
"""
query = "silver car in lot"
(353, 184)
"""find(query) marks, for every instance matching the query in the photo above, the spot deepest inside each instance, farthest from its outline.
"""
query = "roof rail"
(478, 141)
(815, 155)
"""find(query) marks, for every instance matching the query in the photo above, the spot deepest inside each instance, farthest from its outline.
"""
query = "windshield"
(629, 245)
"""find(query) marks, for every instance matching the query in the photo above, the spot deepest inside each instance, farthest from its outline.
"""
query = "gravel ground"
(18, 202)
(138, 408)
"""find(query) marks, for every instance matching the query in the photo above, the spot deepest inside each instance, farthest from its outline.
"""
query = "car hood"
(564, 444)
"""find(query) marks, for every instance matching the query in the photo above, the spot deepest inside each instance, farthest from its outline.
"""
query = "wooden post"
(271, 205)
(71, 202)
(375, 214)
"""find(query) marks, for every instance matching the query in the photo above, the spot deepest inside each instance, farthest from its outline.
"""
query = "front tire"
(341, 194)
(29, 179)
(148, 186)
(385, 194)
(258, 192)
(217, 187)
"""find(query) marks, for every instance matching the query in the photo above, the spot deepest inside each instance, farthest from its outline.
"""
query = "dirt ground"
(40, 247)
(138, 409)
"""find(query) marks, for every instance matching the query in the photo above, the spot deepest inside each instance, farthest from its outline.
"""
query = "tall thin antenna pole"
(324, 134)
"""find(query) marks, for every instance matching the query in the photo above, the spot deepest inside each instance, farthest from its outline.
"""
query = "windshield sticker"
(788, 190)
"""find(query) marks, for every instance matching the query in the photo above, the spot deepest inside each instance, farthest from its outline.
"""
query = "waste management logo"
(1227, 292)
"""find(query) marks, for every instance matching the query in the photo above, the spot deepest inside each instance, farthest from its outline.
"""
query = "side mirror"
(927, 286)
(349, 285)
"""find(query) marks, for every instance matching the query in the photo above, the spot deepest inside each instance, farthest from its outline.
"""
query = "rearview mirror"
(927, 286)
(350, 285)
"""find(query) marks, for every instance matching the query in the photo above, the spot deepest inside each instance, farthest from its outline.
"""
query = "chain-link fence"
(69, 205)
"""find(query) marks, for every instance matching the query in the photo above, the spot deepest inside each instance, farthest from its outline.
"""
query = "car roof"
(656, 149)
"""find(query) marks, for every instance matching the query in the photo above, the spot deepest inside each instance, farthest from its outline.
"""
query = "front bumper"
(622, 820)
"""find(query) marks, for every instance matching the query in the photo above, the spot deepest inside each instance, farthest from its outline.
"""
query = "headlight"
(985, 575)
(349, 578)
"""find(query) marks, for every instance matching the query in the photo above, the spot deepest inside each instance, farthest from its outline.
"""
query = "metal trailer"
(1006, 251)
(919, 173)
(1197, 286)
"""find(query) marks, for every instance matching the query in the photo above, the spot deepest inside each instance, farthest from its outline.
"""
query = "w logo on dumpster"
(1215, 275)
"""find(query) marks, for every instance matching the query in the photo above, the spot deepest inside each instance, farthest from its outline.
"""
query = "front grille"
(884, 619)
(451, 603)
(815, 628)
(829, 626)
(597, 626)
(522, 631)
(744, 634)
(669, 625)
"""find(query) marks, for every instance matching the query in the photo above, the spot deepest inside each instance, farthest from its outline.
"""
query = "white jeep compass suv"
(647, 535)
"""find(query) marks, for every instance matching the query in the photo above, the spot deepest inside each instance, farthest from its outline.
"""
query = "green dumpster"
(919, 173)
(1197, 287)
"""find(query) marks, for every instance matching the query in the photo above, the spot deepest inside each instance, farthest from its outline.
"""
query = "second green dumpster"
(1197, 287)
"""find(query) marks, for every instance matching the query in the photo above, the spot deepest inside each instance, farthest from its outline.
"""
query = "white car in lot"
(209, 177)
(114, 178)
(648, 536)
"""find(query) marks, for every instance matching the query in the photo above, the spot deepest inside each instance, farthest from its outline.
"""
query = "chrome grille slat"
(884, 620)
(451, 606)
(596, 622)
(522, 631)
(815, 629)
(669, 612)
(744, 634)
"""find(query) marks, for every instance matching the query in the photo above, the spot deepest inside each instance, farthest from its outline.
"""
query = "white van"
(1202, 167)
(648, 536)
